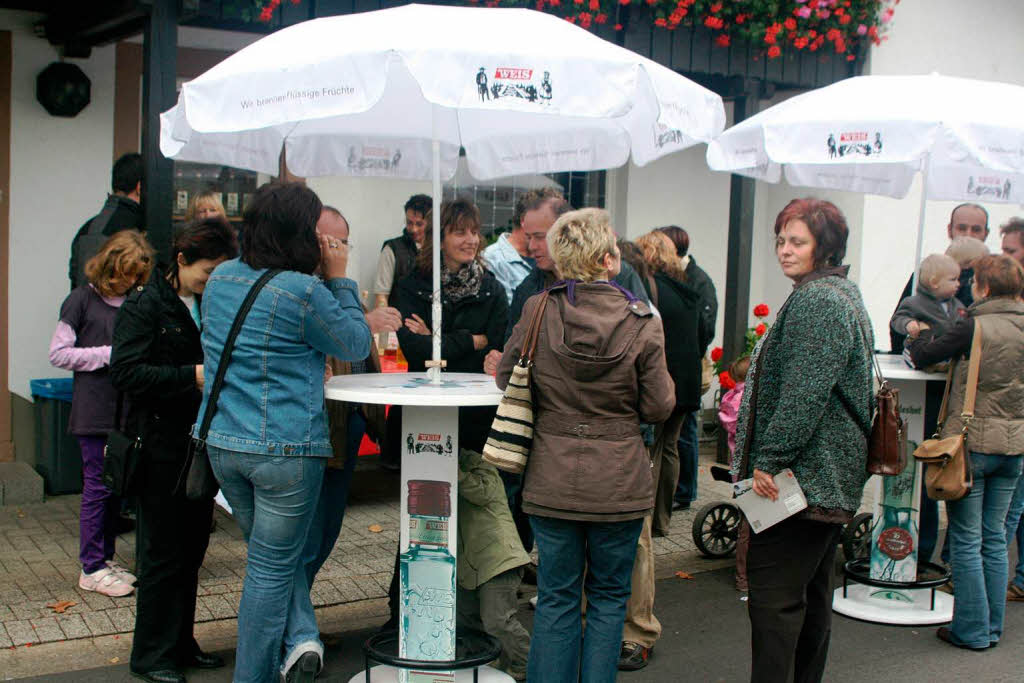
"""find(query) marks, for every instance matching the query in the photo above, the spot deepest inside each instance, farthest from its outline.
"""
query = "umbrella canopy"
(873, 133)
(367, 94)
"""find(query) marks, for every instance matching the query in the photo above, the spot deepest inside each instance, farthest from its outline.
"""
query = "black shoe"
(946, 635)
(530, 574)
(679, 505)
(161, 676)
(205, 660)
(305, 669)
(633, 656)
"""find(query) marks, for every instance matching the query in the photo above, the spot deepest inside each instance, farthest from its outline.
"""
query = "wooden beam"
(6, 437)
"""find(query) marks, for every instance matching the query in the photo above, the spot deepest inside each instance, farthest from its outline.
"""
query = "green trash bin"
(58, 457)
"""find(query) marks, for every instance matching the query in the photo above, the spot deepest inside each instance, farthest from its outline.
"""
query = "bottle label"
(428, 531)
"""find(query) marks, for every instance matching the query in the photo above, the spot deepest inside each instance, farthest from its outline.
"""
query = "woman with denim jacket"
(268, 441)
(158, 362)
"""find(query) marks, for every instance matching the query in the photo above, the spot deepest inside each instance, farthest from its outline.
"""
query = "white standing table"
(430, 451)
(894, 533)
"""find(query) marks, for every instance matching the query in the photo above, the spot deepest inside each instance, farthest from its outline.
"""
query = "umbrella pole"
(920, 219)
(434, 371)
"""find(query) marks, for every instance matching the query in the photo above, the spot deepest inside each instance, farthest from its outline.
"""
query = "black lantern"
(63, 89)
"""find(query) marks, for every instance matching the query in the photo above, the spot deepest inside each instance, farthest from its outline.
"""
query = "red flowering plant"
(753, 334)
(773, 26)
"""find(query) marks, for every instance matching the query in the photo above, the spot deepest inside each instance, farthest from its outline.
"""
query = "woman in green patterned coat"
(807, 407)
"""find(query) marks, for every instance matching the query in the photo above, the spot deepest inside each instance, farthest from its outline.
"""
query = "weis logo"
(511, 74)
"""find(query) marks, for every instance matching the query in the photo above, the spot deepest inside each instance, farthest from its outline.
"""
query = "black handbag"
(120, 456)
(197, 476)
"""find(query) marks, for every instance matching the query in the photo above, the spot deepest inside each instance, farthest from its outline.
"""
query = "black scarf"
(463, 283)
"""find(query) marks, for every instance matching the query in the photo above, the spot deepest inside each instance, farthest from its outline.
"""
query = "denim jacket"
(272, 401)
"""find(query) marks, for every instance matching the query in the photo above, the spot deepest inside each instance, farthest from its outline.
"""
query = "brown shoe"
(1014, 593)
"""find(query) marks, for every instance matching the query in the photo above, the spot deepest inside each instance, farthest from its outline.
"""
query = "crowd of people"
(619, 372)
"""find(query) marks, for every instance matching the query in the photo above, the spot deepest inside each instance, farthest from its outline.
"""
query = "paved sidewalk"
(39, 565)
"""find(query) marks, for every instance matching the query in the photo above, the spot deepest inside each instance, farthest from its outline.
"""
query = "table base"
(389, 674)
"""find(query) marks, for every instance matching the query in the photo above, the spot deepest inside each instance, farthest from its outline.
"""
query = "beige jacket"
(998, 424)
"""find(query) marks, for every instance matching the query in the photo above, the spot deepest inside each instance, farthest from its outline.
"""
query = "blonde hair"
(125, 258)
(934, 266)
(208, 198)
(578, 241)
(660, 254)
(966, 249)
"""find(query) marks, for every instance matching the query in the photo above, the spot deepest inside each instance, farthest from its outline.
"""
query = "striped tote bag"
(511, 436)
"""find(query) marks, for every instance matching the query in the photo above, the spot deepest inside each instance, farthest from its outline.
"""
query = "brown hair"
(1000, 274)
(1015, 224)
(531, 200)
(456, 214)
(660, 254)
(825, 222)
(124, 258)
(739, 368)
(631, 254)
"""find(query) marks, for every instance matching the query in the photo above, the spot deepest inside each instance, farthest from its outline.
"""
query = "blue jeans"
(689, 458)
(1015, 528)
(977, 535)
(273, 499)
(330, 511)
(604, 553)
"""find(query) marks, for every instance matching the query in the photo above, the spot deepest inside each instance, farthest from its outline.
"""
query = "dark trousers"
(789, 569)
(172, 537)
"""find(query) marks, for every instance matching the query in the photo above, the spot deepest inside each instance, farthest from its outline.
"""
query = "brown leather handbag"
(948, 474)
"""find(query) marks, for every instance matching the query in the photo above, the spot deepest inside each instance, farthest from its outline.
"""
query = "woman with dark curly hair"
(807, 406)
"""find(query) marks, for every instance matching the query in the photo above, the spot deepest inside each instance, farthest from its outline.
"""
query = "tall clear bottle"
(428, 580)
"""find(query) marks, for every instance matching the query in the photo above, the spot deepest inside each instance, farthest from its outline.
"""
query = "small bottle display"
(428, 579)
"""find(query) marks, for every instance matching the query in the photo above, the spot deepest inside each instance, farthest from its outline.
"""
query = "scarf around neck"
(463, 283)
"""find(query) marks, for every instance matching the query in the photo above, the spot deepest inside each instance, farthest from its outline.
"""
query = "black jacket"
(680, 309)
(484, 313)
(404, 249)
(707, 300)
(963, 294)
(127, 215)
(156, 348)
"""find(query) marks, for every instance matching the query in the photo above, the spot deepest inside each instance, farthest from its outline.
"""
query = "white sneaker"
(533, 602)
(105, 581)
(125, 575)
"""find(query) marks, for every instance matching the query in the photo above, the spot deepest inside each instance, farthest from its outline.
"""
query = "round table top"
(894, 367)
(414, 389)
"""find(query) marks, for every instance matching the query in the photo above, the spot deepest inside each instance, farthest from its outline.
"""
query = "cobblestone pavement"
(39, 563)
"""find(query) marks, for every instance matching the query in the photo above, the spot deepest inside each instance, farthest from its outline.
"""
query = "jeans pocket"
(278, 473)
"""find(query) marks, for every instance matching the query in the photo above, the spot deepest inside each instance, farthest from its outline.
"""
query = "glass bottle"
(428, 579)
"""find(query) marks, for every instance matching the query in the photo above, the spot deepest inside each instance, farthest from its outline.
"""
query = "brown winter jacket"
(599, 371)
(998, 424)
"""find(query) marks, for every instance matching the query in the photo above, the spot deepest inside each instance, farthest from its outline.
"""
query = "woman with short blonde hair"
(205, 204)
(600, 372)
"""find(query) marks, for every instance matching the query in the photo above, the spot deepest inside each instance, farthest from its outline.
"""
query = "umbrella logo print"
(854, 142)
(375, 160)
(989, 185)
(663, 135)
(516, 82)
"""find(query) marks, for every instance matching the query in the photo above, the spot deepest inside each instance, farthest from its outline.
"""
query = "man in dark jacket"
(122, 211)
(398, 255)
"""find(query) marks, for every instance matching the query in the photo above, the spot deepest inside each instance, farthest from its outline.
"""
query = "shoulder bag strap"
(945, 400)
(973, 369)
(229, 345)
(98, 224)
(530, 344)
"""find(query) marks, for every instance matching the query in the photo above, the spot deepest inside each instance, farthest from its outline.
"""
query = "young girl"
(81, 344)
(728, 411)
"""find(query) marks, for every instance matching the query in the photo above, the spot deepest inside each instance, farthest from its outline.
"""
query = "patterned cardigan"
(814, 395)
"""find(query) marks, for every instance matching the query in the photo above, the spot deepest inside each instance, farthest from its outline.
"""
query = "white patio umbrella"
(397, 92)
(871, 134)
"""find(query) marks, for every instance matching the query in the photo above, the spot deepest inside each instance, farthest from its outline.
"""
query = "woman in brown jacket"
(599, 371)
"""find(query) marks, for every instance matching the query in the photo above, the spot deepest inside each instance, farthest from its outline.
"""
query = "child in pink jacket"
(728, 411)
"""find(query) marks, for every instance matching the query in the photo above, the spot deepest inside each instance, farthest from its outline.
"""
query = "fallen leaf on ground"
(62, 606)
(115, 660)
(376, 528)
(684, 575)
(21, 514)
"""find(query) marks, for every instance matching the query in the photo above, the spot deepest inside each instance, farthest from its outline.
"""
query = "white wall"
(967, 39)
(60, 174)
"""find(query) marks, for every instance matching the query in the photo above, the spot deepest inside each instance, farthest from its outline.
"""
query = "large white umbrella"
(872, 134)
(397, 92)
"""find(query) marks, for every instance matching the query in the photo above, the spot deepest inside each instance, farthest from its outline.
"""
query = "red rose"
(722, 40)
(601, 18)
(716, 354)
(726, 380)
(660, 21)
(762, 310)
(760, 329)
(790, 23)
(618, 27)
(774, 51)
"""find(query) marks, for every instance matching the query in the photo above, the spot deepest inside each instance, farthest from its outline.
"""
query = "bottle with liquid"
(428, 580)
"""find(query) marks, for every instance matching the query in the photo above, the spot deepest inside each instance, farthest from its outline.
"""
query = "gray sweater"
(816, 349)
(924, 307)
